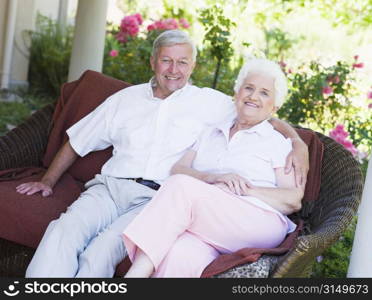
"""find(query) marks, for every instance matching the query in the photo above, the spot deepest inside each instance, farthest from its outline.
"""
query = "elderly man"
(150, 126)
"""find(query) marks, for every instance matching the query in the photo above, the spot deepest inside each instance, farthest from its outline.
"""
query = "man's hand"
(31, 188)
(234, 182)
(299, 159)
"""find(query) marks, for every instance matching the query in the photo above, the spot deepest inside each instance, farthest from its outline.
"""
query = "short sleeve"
(92, 132)
(282, 148)
(196, 145)
(203, 137)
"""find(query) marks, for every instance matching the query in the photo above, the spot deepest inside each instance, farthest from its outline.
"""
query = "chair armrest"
(328, 217)
(298, 262)
(25, 145)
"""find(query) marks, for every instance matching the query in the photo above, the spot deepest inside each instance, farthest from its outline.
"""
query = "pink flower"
(122, 37)
(151, 27)
(334, 79)
(163, 25)
(339, 131)
(139, 18)
(347, 144)
(327, 90)
(356, 57)
(282, 64)
(369, 95)
(358, 65)
(114, 53)
(159, 25)
(339, 134)
(370, 106)
(129, 26)
(171, 23)
(184, 23)
(340, 127)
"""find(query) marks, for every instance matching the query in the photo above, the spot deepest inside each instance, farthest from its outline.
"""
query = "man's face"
(172, 66)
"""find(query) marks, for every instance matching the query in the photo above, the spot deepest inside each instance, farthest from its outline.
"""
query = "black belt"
(149, 183)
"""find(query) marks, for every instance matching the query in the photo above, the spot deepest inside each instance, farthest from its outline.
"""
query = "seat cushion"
(23, 219)
(79, 98)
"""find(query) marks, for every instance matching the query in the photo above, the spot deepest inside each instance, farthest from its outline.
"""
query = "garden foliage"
(49, 56)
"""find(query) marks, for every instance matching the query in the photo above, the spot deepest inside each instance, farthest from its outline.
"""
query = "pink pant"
(189, 223)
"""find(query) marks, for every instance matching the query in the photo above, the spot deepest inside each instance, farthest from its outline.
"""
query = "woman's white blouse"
(252, 153)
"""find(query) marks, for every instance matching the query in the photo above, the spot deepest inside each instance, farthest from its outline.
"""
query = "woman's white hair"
(170, 38)
(265, 67)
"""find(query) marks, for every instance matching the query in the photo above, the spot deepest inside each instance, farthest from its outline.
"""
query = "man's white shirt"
(148, 134)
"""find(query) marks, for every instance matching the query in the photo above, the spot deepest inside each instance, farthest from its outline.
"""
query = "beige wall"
(3, 10)
(24, 22)
(47, 8)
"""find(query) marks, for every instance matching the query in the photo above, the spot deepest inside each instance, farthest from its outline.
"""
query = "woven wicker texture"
(328, 217)
(325, 219)
(25, 144)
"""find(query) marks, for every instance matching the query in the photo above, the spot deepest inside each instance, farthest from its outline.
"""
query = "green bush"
(11, 114)
(204, 73)
(14, 113)
(217, 37)
(50, 53)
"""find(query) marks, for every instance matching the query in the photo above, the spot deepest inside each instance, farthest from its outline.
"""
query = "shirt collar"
(263, 128)
(176, 93)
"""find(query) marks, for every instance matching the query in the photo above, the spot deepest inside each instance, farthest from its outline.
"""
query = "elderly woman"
(231, 190)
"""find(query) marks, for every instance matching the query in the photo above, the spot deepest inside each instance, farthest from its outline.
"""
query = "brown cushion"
(24, 218)
(78, 98)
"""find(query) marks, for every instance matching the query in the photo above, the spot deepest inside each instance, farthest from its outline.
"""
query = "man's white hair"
(265, 67)
(173, 37)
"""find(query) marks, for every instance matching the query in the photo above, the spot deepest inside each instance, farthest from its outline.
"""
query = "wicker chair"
(325, 219)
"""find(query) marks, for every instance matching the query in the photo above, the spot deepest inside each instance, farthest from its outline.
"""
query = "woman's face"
(256, 98)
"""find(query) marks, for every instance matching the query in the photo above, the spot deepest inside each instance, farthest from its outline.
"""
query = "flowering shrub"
(168, 24)
(129, 27)
(321, 97)
(340, 135)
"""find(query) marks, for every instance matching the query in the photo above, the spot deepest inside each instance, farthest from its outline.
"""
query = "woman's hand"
(299, 159)
(30, 188)
(234, 182)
